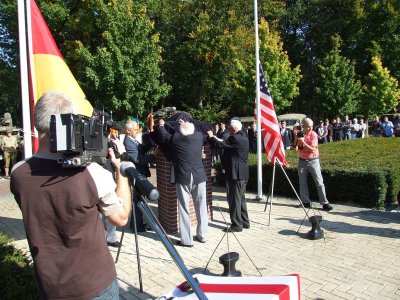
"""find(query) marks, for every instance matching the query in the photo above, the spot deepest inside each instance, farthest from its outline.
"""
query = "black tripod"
(148, 191)
(315, 219)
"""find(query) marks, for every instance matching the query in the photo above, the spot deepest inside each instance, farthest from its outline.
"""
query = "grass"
(17, 279)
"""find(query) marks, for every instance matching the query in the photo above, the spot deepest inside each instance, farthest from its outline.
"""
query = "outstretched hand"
(116, 162)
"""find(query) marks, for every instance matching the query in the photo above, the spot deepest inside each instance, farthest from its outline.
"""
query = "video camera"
(299, 131)
(81, 140)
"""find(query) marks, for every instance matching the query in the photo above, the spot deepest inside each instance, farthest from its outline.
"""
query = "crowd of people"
(350, 129)
(340, 130)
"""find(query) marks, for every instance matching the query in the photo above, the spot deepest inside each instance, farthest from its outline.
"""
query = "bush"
(17, 280)
(364, 171)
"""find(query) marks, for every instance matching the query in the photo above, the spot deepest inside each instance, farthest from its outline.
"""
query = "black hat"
(116, 126)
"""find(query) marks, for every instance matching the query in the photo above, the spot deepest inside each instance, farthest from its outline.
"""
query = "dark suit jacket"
(137, 155)
(186, 155)
(234, 158)
(252, 135)
(286, 137)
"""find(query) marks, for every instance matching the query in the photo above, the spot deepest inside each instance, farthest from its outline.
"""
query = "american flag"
(270, 129)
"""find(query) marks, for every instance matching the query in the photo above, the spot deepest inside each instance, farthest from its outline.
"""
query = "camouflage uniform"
(9, 145)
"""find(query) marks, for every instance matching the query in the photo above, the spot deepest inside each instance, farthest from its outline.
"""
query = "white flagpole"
(26, 117)
(259, 151)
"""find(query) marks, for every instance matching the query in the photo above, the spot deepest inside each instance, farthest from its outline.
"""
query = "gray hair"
(51, 103)
(236, 124)
(306, 122)
(130, 124)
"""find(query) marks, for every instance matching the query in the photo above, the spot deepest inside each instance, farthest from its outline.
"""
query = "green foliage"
(381, 90)
(367, 28)
(210, 59)
(337, 90)
(364, 171)
(282, 80)
(114, 50)
(211, 113)
(111, 48)
(17, 280)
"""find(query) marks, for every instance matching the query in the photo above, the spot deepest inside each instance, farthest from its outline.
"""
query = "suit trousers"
(314, 168)
(237, 202)
(198, 192)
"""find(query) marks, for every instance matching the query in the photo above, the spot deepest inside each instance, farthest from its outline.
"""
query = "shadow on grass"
(17, 279)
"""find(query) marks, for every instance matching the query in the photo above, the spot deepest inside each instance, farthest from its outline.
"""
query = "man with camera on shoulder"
(60, 208)
(306, 145)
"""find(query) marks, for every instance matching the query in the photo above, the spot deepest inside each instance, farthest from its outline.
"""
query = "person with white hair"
(234, 162)
(307, 149)
(190, 178)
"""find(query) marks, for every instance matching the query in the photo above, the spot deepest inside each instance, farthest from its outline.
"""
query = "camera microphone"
(141, 183)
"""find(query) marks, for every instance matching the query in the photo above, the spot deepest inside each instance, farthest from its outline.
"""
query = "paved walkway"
(359, 259)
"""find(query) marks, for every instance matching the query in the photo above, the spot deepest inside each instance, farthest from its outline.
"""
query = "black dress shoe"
(180, 244)
(307, 204)
(246, 226)
(233, 229)
(198, 240)
(327, 207)
(114, 244)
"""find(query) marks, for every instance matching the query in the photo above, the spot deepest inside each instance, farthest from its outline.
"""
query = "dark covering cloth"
(172, 126)
(65, 234)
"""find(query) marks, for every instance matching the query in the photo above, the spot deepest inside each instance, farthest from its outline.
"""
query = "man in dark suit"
(252, 135)
(234, 162)
(223, 134)
(190, 178)
(286, 134)
(137, 154)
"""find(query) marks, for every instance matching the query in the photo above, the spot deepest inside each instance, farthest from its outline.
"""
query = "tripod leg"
(155, 224)
(272, 193)
(137, 243)
(269, 193)
(120, 244)
(294, 190)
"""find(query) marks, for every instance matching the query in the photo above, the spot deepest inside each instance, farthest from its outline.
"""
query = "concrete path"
(359, 259)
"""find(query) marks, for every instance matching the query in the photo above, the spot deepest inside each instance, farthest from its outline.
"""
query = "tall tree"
(337, 91)
(113, 49)
(282, 79)
(381, 91)
(211, 58)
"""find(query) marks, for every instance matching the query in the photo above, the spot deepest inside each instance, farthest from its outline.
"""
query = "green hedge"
(364, 171)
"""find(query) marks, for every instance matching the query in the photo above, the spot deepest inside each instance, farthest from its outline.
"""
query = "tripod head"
(139, 181)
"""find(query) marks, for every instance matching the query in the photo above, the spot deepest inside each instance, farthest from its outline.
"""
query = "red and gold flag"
(50, 72)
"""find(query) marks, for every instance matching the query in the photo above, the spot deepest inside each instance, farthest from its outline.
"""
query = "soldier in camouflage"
(9, 145)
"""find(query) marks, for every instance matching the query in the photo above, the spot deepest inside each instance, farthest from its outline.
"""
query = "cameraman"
(306, 145)
(60, 208)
